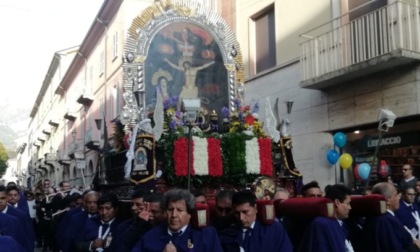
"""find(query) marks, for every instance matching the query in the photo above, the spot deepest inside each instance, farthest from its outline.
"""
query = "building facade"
(339, 61)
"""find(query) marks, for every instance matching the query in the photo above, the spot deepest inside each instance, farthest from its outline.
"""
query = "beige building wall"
(292, 17)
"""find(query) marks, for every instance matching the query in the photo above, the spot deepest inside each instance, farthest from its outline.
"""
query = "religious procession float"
(184, 122)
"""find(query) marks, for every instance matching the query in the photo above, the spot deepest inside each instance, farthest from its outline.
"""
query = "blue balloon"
(364, 171)
(332, 156)
(340, 139)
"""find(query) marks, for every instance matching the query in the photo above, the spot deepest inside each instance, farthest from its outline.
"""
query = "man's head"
(13, 195)
(390, 194)
(107, 207)
(408, 194)
(29, 196)
(199, 197)
(340, 195)
(137, 200)
(3, 197)
(64, 186)
(224, 202)
(75, 200)
(178, 204)
(407, 171)
(47, 183)
(311, 190)
(418, 187)
(281, 194)
(244, 207)
(90, 202)
(157, 215)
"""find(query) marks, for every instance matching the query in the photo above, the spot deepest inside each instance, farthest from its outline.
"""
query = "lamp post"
(191, 107)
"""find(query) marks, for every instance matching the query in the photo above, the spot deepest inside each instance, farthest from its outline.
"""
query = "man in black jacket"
(151, 215)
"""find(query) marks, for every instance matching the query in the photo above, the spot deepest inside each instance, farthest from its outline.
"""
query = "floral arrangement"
(245, 120)
(236, 155)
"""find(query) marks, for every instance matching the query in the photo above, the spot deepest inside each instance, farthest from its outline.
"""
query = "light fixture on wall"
(386, 120)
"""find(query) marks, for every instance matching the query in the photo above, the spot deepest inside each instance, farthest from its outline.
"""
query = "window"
(114, 100)
(265, 40)
(114, 46)
(91, 76)
(102, 63)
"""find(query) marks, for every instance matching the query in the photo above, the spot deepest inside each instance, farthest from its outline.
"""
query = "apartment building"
(339, 61)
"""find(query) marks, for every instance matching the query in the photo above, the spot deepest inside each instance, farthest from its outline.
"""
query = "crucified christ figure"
(189, 90)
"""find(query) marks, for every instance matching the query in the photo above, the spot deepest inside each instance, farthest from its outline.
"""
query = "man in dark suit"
(385, 232)
(250, 234)
(100, 231)
(177, 234)
(151, 215)
(8, 244)
(408, 212)
(329, 234)
(26, 232)
(16, 198)
(76, 222)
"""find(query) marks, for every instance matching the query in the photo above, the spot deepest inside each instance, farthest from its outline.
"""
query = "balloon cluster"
(362, 171)
(345, 160)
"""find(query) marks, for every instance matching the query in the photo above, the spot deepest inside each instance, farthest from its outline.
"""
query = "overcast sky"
(32, 30)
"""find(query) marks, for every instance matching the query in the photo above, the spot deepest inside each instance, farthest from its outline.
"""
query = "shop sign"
(392, 141)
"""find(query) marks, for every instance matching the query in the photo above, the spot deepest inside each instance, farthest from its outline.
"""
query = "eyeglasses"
(406, 169)
(411, 194)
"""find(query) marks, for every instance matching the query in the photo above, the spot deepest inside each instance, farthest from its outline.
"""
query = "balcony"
(345, 49)
(85, 99)
(46, 132)
(54, 122)
(50, 157)
(63, 159)
(71, 116)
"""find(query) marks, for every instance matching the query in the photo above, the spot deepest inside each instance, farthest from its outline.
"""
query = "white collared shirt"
(182, 230)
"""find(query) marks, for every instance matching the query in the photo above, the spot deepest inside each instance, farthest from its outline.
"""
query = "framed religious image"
(181, 50)
(184, 61)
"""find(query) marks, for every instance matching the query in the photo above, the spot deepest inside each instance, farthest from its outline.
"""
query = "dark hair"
(243, 197)
(405, 188)
(62, 182)
(108, 198)
(174, 195)
(2, 188)
(312, 184)
(337, 191)
(139, 193)
(225, 194)
(197, 193)
(154, 197)
(12, 188)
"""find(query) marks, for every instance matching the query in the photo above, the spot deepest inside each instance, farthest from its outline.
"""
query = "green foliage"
(3, 160)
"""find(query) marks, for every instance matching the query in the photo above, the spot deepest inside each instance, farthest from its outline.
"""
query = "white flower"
(252, 156)
(200, 154)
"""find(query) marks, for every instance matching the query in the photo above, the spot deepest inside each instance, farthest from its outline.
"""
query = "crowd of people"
(71, 220)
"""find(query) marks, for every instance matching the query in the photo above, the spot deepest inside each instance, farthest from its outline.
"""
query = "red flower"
(181, 156)
(215, 157)
(265, 156)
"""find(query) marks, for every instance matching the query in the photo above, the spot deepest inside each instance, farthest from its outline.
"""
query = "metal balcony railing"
(343, 42)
